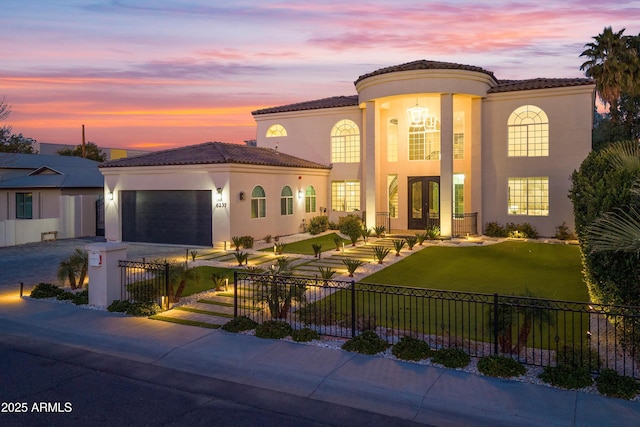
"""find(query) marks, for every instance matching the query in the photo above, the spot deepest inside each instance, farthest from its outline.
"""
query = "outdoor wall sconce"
(242, 195)
(110, 196)
(219, 190)
(300, 194)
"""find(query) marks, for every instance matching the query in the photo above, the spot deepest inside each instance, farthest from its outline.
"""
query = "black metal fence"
(533, 331)
(144, 282)
(465, 224)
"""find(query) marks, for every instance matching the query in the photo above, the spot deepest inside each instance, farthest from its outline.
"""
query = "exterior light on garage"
(219, 190)
(110, 196)
(300, 194)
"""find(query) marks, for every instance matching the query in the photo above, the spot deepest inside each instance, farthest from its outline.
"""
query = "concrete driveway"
(33, 263)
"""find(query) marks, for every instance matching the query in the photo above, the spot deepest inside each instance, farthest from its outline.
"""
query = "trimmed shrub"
(500, 366)
(318, 224)
(143, 309)
(273, 329)
(305, 335)
(612, 384)
(366, 343)
(119, 306)
(566, 376)
(247, 242)
(409, 348)
(493, 229)
(46, 290)
(563, 232)
(451, 358)
(239, 324)
(350, 225)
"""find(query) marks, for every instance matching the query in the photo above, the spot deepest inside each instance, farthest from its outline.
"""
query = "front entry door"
(424, 202)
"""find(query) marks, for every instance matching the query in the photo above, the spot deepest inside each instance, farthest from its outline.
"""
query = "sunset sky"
(153, 74)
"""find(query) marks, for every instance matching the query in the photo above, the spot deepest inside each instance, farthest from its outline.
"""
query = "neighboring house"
(203, 195)
(434, 143)
(111, 153)
(46, 197)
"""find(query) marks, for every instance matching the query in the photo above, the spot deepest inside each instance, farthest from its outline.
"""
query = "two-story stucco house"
(420, 144)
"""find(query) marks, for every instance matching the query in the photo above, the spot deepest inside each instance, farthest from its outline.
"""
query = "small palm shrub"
(237, 242)
(421, 237)
(280, 247)
(380, 253)
(366, 343)
(247, 242)
(433, 232)
(338, 241)
(326, 273)
(354, 236)
(409, 348)
(46, 290)
(610, 383)
(317, 249)
(267, 238)
(365, 233)
(379, 230)
(500, 366)
(194, 254)
(241, 257)
(451, 358)
(566, 376)
(239, 324)
(305, 335)
(352, 265)
(219, 281)
(275, 329)
(398, 244)
(411, 242)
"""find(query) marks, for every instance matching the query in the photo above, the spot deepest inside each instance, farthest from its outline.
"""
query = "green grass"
(303, 247)
(547, 271)
(205, 283)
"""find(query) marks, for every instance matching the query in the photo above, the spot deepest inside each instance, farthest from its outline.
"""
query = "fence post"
(353, 309)
(166, 284)
(495, 323)
(235, 293)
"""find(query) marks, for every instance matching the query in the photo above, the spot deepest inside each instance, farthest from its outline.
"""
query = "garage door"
(173, 217)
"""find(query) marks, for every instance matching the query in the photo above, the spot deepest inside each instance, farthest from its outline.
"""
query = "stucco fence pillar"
(104, 273)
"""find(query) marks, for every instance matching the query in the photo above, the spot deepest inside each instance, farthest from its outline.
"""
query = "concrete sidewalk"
(423, 394)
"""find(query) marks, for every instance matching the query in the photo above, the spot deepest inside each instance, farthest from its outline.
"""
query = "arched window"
(286, 201)
(310, 200)
(258, 202)
(528, 128)
(345, 142)
(275, 131)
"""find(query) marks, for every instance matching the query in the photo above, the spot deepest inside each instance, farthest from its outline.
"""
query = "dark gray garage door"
(168, 216)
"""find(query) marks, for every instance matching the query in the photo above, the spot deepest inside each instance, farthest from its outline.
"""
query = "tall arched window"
(286, 201)
(345, 142)
(310, 199)
(275, 131)
(528, 128)
(258, 202)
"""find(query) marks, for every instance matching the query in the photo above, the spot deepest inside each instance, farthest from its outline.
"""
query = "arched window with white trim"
(276, 131)
(345, 142)
(528, 132)
(258, 202)
(286, 201)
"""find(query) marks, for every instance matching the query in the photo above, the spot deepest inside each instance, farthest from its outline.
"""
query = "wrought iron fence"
(144, 282)
(465, 224)
(533, 331)
(383, 219)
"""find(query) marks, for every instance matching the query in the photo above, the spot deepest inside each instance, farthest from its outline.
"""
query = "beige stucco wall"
(231, 216)
(570, 114)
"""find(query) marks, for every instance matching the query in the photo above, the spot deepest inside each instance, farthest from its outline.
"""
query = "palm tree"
(180, 274)
(612, 63)
(74, 266)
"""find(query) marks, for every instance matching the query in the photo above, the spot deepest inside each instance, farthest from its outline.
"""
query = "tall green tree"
(11, 143)
(91, 152)
(612, 61)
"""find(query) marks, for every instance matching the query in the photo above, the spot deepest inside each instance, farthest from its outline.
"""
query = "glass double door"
(424, 202)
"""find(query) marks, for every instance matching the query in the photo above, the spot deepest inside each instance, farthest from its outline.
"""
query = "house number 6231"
(221, 205)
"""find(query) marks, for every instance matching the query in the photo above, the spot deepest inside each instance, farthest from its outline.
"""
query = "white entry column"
(446, 164)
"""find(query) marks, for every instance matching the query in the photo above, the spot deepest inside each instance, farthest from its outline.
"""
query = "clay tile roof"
(333, 102)
(215, 153)
(424, 65)
(539, 83)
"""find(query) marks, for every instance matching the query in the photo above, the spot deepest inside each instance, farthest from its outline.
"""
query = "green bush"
(451, 358)
(65, 296)
(46, 290)
(81, 298)
(579, 358)
(409, 348)
(493, 229)
(366, 343)
(610, 383)
(119, 306)
(411, 242)
(500, 366)
(522, 231)
(143, 309)
(433, 232)
(239, 324)
(566, 376)
(318, 224)
(273, 329)
(350, 225)
(563, 232)
(421, 237)
(247, 242)
(305, 335)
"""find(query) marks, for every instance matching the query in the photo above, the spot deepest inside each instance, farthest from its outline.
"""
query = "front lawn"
(204, 279)
(546, 270)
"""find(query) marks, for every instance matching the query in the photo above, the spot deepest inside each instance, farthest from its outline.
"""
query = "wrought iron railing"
(144, 282)
(533, 331)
